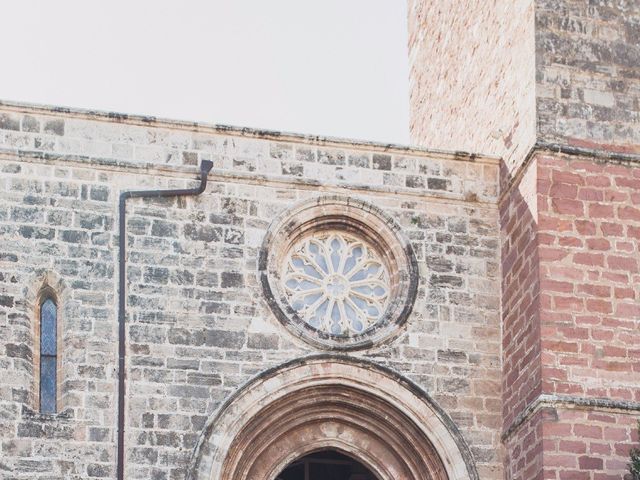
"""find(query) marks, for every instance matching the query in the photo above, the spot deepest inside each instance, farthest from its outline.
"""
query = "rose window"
(338, 273)
(336, 283)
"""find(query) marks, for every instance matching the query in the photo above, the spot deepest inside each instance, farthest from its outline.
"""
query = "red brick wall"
(587, 445)
(521, 382)
(523, 460)
(589, 234)
(571, 316)
(520, 303)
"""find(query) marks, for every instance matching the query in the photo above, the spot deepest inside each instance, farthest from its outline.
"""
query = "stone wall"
(588, 73)
(472, 77)
(495, 77)
(198, 325)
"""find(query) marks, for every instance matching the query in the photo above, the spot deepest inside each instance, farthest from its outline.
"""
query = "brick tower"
(553, 88)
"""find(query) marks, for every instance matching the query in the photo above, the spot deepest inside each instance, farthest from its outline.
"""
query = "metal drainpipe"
(205, 168)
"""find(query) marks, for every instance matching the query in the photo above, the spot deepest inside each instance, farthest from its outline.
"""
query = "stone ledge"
(568, 401)
(318, 140)
(598, 156)
(218, 174)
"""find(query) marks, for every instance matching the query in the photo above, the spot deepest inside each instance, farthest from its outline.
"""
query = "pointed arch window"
(48, 355)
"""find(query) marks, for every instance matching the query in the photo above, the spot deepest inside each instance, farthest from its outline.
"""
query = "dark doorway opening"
(326, 465)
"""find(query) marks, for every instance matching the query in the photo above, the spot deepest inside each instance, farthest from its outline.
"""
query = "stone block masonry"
(497, 78)
(198, 327)
(525, 329)
(588, 74)
(472, 76)
(553, 88)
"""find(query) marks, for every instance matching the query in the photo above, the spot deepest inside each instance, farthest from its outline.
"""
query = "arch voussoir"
(331, 402)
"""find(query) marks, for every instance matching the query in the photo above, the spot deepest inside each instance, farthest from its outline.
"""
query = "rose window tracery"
(336, 283)
(338, 273)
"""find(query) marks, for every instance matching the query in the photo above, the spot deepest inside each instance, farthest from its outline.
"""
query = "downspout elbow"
(205, 168)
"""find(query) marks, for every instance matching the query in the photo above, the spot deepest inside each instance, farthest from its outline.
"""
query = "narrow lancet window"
(48, 355)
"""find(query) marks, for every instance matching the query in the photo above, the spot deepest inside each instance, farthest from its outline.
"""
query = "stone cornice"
(546, 400)
(202, 127)
(598, 156)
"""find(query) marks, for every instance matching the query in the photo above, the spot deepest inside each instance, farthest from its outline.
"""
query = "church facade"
(190, 301)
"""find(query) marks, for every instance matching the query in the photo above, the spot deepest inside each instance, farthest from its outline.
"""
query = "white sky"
(326, 67)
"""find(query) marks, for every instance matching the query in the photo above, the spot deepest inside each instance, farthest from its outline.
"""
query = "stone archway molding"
(354, 406)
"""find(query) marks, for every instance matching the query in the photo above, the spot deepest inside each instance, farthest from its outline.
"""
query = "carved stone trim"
(354, 217)
(331, 402)
(569, 401)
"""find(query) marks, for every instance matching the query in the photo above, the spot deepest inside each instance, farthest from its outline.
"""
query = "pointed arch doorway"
(367, 414)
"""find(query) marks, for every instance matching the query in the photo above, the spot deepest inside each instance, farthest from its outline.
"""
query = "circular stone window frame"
(357, 218)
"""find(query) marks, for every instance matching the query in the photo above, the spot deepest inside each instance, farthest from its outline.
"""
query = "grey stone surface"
(588, 73)
(198, 326)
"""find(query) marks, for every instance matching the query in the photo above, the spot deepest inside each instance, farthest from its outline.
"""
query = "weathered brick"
(99, 193)
(6, 301)
(30, 124)
(438, 184)
(161, 228)
(262, 341)
(224, 339)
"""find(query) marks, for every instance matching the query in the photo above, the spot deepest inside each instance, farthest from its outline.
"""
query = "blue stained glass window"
(48, 328)
(48, 384)
(48, 356)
